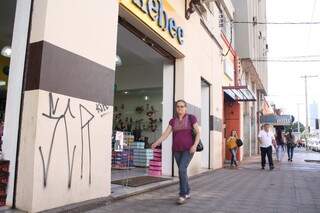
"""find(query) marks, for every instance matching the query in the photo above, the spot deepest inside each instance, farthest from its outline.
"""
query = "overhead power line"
(286, 61)
(279, 23)
(297, 56)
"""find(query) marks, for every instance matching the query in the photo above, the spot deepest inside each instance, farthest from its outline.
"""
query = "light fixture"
(126, 92)
(118, 61)
(2, 83)
(146, 98)
(6, 51)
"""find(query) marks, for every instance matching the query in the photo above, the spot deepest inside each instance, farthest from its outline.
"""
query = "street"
(290, 187)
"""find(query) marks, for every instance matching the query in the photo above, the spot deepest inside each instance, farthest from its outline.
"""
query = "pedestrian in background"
(184, 146)
(291, 144)
(266, 140)
(280, 141)
(233, 147)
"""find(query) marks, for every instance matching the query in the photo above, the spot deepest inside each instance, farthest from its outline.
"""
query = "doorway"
(205, 131)
(143, 101)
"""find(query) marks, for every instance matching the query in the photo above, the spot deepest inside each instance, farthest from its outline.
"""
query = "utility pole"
(298, 104)
(306, 77)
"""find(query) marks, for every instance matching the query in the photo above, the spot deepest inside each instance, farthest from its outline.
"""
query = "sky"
(286, 87)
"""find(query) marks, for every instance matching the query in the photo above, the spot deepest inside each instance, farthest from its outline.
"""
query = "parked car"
(301, 142)
(314, 144)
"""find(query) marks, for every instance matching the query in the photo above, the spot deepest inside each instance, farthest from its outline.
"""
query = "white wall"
(97, 44)
(58, 178)
(205, 137)
(168, 92)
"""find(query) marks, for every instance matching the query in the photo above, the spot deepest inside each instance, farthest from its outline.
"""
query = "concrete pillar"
(65, 145)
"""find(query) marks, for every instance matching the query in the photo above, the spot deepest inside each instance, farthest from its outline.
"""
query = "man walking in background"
(266, 140)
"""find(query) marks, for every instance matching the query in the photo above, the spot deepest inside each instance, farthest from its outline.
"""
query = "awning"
(239, 93)
(277, 120)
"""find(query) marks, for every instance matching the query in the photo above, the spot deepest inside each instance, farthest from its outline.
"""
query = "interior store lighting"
(2, 83)
(118, 61)
(6, 51)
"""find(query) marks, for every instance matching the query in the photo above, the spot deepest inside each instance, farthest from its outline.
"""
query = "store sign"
(277, 120)
(154, 9)
(159, 15)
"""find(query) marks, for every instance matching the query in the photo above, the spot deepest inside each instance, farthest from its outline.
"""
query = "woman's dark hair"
(181, 101)
(279, 134)
(290, 133)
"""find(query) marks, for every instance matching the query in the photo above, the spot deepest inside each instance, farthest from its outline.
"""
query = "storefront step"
(123, 192)
(126, 192)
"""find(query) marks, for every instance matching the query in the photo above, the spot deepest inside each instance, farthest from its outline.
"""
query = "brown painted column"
(65, 146)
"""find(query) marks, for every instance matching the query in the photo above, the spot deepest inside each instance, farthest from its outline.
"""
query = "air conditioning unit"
(193, 5)
(200, 4)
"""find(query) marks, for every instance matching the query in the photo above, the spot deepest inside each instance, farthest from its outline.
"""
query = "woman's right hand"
(154, 145)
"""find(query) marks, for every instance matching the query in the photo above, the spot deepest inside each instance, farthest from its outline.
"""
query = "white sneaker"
(181, 200)
(188, 196)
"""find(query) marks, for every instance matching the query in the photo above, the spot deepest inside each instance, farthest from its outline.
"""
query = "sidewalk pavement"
(291, 187)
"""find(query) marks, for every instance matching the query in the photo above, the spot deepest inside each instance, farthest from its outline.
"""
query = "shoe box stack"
(123, 159)
(137, 145)
(4, 177)
(128, 139)
(155, 167)
(141, 156)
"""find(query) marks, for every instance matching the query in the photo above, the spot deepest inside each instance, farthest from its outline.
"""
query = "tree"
(294, 127)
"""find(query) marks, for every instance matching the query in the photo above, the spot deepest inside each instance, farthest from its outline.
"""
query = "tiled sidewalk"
(290, 187)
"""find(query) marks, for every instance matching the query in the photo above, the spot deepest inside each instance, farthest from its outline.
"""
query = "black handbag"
(239, 142)
(194, 134)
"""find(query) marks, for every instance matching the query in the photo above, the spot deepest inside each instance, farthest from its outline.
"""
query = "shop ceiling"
(7, 12)
(142, 67)
(133, 51)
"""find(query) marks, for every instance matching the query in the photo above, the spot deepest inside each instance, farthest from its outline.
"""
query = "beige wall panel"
(25, 176)
(87, 28)
(38, 19)
(64, 184)
(216, 162)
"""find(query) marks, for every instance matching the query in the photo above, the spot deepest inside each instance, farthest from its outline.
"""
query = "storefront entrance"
(143, 103)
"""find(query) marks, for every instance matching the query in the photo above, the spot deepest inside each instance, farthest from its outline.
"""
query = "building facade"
(251, 45)
(314, 114)
(84, 70)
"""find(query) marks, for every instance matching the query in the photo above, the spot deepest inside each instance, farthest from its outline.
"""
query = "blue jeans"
(234, 156)
(290, 152)
(183, 159)
(280, 151)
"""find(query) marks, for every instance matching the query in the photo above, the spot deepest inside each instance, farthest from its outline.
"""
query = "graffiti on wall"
(63, 119)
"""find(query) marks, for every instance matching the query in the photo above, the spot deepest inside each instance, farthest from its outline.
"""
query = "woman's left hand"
(193, 149)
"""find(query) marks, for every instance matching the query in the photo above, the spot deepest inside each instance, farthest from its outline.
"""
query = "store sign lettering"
(154, 9)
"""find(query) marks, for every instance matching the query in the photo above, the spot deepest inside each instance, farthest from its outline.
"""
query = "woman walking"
(233, 147)
(184, 145)
(291, 144)
(280, 143)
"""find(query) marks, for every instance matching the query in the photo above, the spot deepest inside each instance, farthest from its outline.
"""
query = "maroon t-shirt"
(182, 132)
